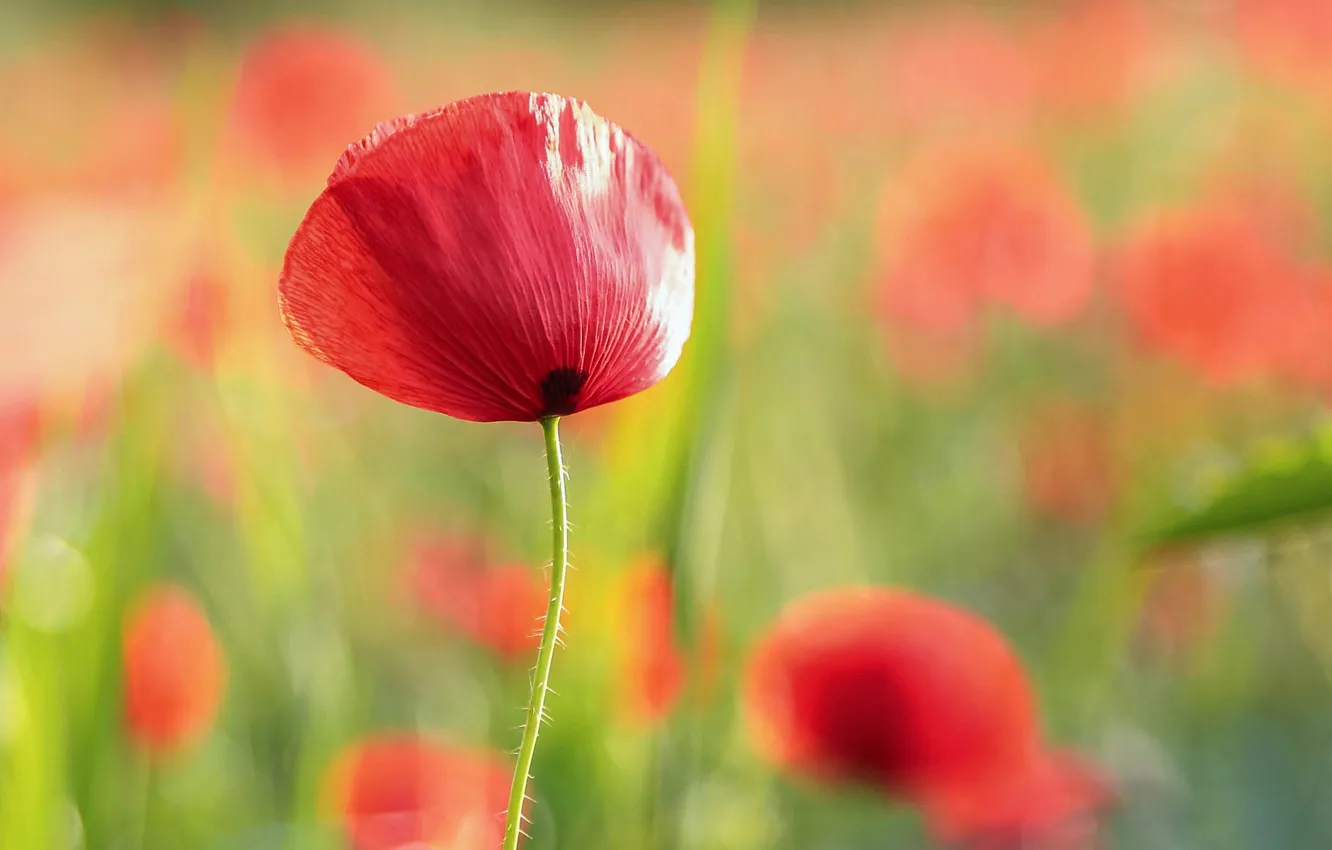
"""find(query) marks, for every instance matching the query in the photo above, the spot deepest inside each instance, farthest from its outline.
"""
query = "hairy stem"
(559, 509)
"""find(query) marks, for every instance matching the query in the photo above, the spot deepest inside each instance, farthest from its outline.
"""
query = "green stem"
(559, 509)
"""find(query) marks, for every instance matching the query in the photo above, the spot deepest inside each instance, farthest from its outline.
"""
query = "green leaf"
(1279, 480)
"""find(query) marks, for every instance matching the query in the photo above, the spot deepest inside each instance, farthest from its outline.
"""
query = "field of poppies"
(943, 391)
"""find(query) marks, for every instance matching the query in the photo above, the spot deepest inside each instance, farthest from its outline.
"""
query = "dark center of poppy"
(560, 389)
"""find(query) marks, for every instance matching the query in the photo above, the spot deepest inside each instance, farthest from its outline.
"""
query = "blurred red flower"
(909, 694)
(1292, 38)
(174, 670)
(1067, 461)
(890, 688)
(1212, 288)
(402, 792)
(199, 322)
(654, 667)
(508, 257)
(499, 606)
(301, 92)
(1050, 806)
(1091, 55)
(984, 227)
(20, 439)
(90, 114)
(955, 72)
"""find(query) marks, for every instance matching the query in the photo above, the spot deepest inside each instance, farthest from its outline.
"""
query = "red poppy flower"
(174, 670)
(991, 227)
(401, 792)
(1067, 463)
(957, 70)
(1050, 806)
(508, 257)
(499, 606)
(301, 93)
(896, 690)
(1091, 55)
(654, 666)
(1210, 287)
(200, 319)
(1290, 37)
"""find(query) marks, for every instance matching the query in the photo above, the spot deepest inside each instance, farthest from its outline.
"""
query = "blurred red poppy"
(920, 699)
(982, 227)
(499, 606)
(896, 690)
(174, 670)
(1067, 461)
(508, 257)
(402, 792)
(1210, 287)
(1292, 38)
(1091, 55)
(199, 323)
(954, 72)
(1050, 806)
(90, 114)
(302, 92)
(654, 666)
(20, 438)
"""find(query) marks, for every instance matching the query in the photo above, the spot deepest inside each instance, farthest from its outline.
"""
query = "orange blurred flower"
(1211, 287)
(403, 791)
(200, 320)
(956, 72)
(1292, 38)
(1092, 55)
(20, 439)
(1067, 461)
(966, 229)
(92, 114)
(302, 93)
(499, 606)
(653, 666)
(174, 671)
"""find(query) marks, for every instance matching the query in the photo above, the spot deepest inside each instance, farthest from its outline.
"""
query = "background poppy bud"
(507, 257)
(174, 670)
(893, 689)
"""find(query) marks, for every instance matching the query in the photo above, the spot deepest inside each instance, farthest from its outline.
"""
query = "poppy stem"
(559, 509)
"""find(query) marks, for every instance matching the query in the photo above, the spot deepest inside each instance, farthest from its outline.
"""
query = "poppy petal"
(507, 257)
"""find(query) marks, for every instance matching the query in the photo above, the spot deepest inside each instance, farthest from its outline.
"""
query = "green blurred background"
(1149, 535)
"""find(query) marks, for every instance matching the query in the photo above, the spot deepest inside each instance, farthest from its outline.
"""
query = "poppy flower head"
(1211, 288)
(499, 606)
(173, 668)
(396, 792)
(987, 228)
(301, 93)
(507, 257)
(1052, 805)
(892, 689)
